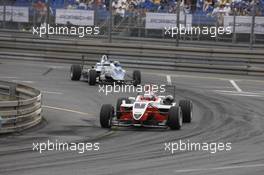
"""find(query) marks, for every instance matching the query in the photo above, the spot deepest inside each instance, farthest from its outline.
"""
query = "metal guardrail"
(20, 107)
(123, 39)
(145, 56)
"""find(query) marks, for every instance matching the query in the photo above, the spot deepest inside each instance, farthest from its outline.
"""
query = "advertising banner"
(162, 20)
(243, 24)
(75, 17)
(17, 14)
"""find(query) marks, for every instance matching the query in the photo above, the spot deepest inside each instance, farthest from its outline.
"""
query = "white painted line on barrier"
(49, 92)
(169, 79)
(23, 81)
(219, 168)
(66, 110)
(235, 85)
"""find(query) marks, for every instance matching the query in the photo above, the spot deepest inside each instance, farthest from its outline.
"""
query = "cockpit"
(117, 64)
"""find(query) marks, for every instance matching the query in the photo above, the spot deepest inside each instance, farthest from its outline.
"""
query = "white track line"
(49, 92)
(169, 79)
(219, 168)
(66, 110)
(8, 77)
(204, 77)
(235, 85)
(235, 93)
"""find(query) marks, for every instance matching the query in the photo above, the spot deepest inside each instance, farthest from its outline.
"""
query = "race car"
(105, 71)
(148, 110)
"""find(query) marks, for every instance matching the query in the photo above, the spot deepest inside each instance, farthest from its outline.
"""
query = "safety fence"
(230, 22)
(20, 107)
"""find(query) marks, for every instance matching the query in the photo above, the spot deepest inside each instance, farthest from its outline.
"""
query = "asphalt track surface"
(224, 111)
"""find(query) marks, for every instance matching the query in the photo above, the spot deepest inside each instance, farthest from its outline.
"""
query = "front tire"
(76, 71)
(136, 77)
(92, 77)
(106, 116)
(175, 118)
(186, 106)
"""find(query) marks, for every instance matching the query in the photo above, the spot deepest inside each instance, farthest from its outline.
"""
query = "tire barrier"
(213, 60)
(20, 107)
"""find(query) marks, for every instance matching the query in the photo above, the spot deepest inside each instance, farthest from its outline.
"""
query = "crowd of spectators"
(135, 7)
(209, 7)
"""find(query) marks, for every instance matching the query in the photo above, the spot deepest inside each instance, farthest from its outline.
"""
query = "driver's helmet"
(168, 100)
(149, 97)
(104, 58)
(117, 63)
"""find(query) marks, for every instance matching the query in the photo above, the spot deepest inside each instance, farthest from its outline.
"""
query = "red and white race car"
(147, 111)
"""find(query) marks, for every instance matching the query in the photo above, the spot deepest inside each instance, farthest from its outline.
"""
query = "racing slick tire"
(106, 115)
(92, 77)
(76, 71)
(136, 77)
(175, 118)
(186, 107)
(118, 104)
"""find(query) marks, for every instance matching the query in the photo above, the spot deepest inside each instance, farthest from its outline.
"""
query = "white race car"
(104, 71)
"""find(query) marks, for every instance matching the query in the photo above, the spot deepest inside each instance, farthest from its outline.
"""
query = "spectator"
(40, 9)
(82, 5)
(120, 12)
(139, 7)
(206, 5)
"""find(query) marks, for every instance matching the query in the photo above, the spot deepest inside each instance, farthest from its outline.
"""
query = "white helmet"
(104, 58)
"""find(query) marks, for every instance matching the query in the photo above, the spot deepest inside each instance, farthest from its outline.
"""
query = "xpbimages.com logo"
(126, 88)
(63, 30)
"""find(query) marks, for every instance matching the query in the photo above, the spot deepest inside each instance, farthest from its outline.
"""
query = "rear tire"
(175, 118)
(118, 104)
(92, 77)
(186, 107)
(136, 77)
(106, 115)
(76, 71)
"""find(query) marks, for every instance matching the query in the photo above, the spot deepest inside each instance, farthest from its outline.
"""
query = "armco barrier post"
(47, 18)
(110, 20)
(4, 14)
(12, 90)
(34, 15)
(178, 23)
(234, 28)
(139, 25)
(1, 119)
(218, 18)
(95, 14)
(199, 24)
(252, 25)
(185, 24)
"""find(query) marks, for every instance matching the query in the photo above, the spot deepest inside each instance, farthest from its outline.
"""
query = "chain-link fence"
(217, 20)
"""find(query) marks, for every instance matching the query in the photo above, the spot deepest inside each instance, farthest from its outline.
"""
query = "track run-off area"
(227, 108)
